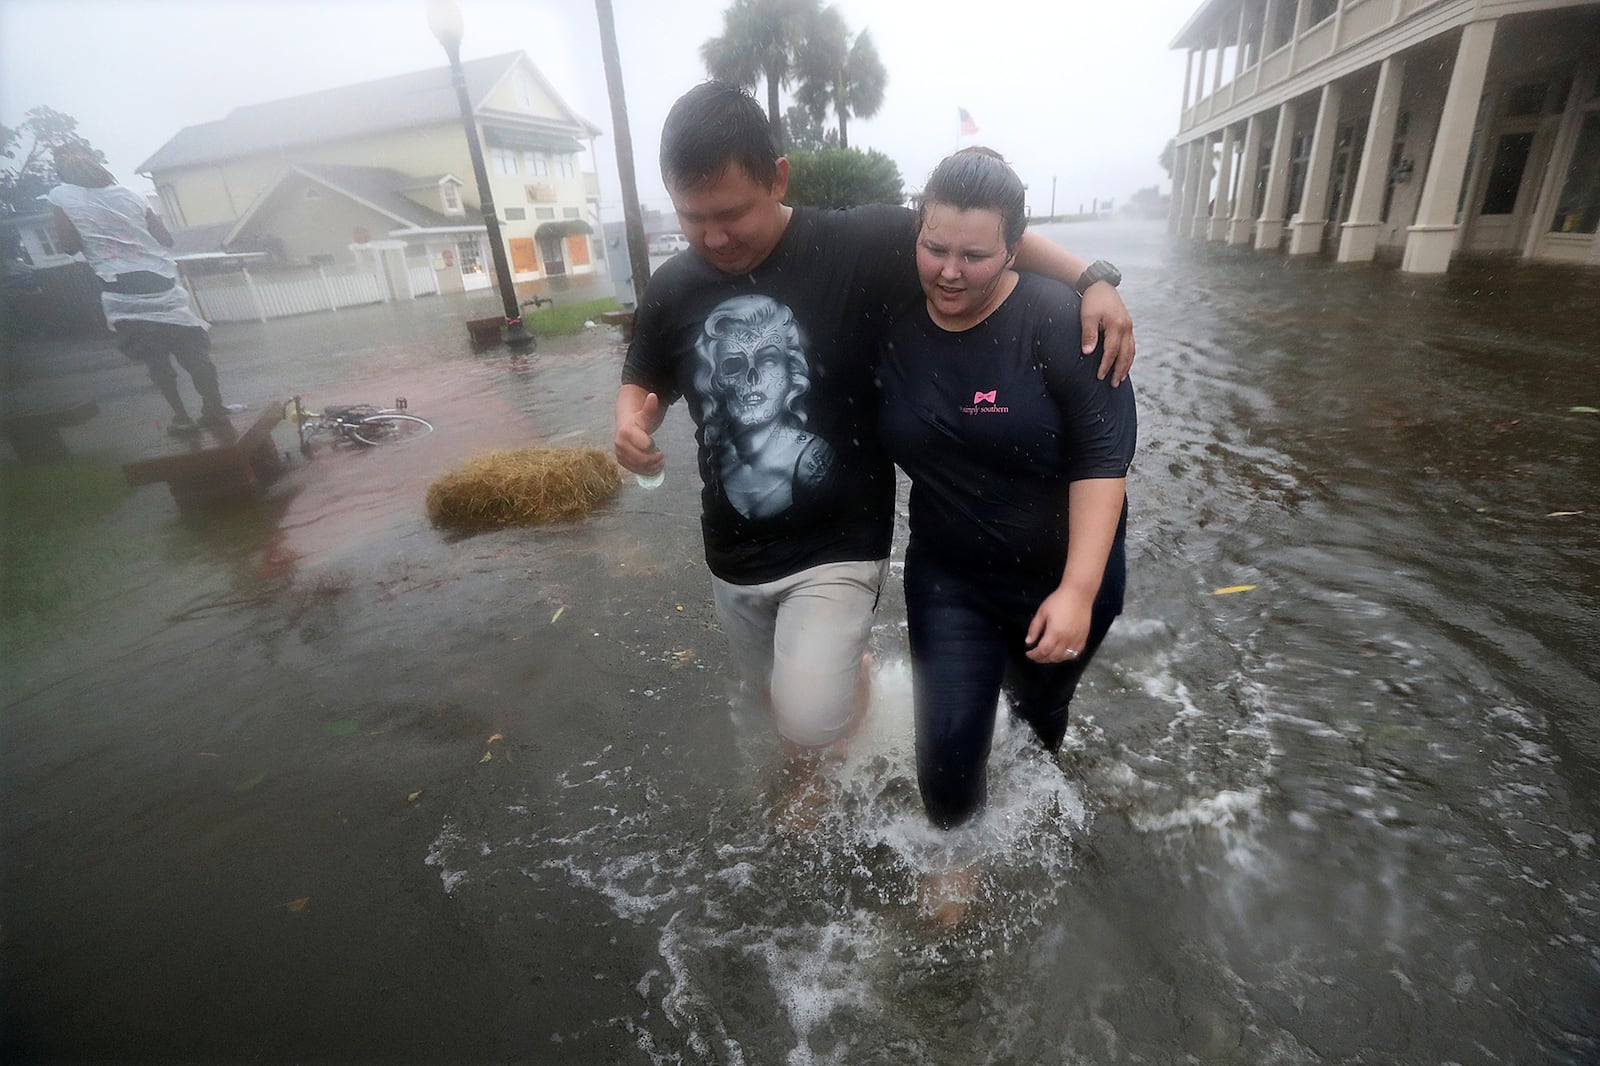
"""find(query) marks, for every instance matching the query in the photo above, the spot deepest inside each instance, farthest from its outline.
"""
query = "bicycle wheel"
(390, 429)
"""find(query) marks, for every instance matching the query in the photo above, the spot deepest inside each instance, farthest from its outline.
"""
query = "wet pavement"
(312, 781)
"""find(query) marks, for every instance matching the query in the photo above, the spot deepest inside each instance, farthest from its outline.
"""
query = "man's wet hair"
(979, 179)
(712, 126)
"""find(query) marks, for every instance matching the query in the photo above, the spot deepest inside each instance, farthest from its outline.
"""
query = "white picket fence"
(252, 297)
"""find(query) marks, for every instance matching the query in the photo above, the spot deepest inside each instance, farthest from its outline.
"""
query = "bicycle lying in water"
(359, 424)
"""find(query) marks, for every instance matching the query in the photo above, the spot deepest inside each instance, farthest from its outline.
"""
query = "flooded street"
(316, 782)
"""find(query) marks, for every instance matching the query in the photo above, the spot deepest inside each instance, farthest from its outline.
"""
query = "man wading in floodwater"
(769, 328)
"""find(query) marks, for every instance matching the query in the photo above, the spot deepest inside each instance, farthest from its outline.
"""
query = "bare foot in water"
(945, 898)
(800, 811)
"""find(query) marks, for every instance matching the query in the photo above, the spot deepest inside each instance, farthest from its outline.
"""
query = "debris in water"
(1229, 590)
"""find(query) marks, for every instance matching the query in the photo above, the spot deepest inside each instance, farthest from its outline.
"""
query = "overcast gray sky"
(1084, 92)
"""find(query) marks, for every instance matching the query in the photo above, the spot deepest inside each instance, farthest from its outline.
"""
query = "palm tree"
(762, 39)
(835, 72)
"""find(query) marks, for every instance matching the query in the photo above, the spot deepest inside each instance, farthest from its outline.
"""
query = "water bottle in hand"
(652, 481)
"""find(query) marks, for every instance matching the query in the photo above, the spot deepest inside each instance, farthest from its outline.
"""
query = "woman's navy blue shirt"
(993, 423)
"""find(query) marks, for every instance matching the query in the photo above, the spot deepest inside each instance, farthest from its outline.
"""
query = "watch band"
(1099, 270)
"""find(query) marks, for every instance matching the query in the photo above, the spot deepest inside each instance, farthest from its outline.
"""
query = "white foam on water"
(771, 939)
(815, 978)
(1029, 796)
(440, 852)
(1225, 810)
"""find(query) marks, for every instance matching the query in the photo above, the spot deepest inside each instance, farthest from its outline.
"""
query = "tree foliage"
(806, 132)
(762, 40)
(843, 177)
(29, 172)
(1169, 156)
(840, 74)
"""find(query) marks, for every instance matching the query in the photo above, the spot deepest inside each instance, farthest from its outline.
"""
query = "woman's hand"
(1060, 626)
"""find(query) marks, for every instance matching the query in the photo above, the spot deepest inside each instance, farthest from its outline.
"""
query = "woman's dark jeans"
(967, 643)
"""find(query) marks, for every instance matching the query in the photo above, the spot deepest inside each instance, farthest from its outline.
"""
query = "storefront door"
(474, 264)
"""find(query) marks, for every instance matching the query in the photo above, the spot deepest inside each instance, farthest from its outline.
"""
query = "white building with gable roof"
(366, 191)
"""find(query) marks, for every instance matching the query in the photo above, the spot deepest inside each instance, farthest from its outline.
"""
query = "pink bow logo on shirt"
(984, 397)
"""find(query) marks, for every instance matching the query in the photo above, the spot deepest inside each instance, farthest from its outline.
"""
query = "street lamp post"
(444, 19)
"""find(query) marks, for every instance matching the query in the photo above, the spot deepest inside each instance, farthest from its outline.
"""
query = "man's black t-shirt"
(777, 366)
(993, 423)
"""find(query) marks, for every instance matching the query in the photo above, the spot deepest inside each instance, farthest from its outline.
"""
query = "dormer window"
(450, 196)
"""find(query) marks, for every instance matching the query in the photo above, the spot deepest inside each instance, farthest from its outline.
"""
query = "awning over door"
(566, 227)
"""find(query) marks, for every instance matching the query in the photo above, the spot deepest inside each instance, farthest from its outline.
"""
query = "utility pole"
(633, 221)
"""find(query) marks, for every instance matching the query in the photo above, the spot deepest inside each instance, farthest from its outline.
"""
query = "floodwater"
(316, 782)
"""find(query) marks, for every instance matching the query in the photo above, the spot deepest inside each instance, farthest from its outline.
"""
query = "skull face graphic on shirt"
(754, 379)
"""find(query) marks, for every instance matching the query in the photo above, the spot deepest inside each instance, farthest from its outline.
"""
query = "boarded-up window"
(524, 260)
(577, 250)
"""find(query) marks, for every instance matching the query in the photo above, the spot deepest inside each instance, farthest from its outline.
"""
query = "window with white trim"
(569, 166)
(505, 160)
(450, 196)
(544, 212)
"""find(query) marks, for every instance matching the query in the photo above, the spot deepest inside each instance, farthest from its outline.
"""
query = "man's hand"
(1103, 309)
(639, 415)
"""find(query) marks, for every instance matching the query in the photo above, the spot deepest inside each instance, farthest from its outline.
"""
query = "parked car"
(668, 244)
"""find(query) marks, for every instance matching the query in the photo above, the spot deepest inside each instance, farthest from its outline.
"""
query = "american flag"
(968, 126)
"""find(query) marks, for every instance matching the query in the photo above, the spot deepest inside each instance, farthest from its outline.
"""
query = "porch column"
(405, 272)
(382, 275)
(1224, 210)
(1431, 239)
(1188, 84)
(1358, 238)
(1269, 227)
(1244, 205)
(1309, 225)
(1238, 48)
(1222, 53)
(1202, 200)
(255, 293)
(1180, 168)
(1261, 42)
(1191, 189)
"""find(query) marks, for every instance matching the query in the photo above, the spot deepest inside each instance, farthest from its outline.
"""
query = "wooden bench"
(216, 468)
(36, 435)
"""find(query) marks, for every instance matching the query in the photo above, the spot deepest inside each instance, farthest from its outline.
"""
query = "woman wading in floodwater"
(1017, 457)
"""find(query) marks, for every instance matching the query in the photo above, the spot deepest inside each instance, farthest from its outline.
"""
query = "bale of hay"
(525, 486)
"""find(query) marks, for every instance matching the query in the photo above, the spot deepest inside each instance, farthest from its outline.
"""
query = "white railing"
(259, 295)
(424, 282)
